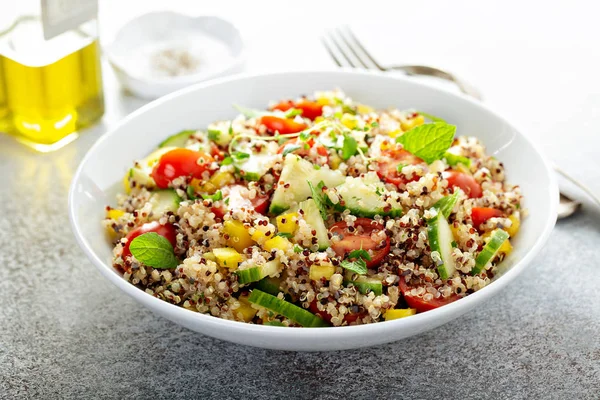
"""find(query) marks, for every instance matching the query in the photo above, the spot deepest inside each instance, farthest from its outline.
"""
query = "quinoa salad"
(316, 211)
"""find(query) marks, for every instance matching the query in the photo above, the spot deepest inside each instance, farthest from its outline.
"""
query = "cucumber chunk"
(440, 241)
(164, 201)
(177, 140)
(312, 216)
(446, 204)
(255, 274)
(365, 197)
(288, 310)
(365, 284)
(296, 172)
(269, 285)
(490, 250)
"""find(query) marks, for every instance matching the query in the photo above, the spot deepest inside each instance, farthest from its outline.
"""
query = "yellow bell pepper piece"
(395, 133)
(259, 236)
(277, 243)
(317, 272)
(319, 119)
(364, 109)
(209, 256)
(411, 123)
(239, 238)
(222, 178)
(516, 224)
(506, 247)
(245, 310)
(287, 223)
(349, 121)
(227, 257)
(323, 101)
(114, 214)
(399, 313)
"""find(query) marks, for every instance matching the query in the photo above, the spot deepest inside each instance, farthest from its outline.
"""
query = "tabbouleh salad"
(319, 211)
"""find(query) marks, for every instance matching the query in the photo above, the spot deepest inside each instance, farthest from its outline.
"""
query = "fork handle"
(424, 70)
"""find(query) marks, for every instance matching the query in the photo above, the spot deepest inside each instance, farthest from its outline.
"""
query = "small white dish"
(161, 52)
(98, 178)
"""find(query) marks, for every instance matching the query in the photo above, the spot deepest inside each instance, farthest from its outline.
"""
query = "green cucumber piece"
(454, 159)
(365, 284)
(142, 177)
(293, 186)
(490, 250)
(164, 201)
(269, 285)
(274, 323)
(440, 242)
(364, 197)
(445, 205)
(255, 274)
(312, 216)
(177, 140)
(288, 310)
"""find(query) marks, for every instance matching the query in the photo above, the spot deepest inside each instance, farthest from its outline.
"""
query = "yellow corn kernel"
(287, 223)
(277, 243)
(245, 310)
(114, 214)
(317, 272)
(364, 109)
(227, 257)
(395, 133)
(126, 183)
(516, 224)
(349, 121)
(399, 313)
(239, 238)
(222, 178)
(411, 123)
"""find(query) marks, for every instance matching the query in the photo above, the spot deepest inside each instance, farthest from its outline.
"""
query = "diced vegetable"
(318, 272)
(227, 257)
(245, 310)
(365, 284)
(269, 285)
(239, 238)
(312, 216)
(177, 140)
(287, 223)
(440, 241)
(490, 250)
(254, 274)
(288, 310)
(399, 313)
(516, 224)
(366, 197)
(164, 201)
(277, 243)
(114, 214)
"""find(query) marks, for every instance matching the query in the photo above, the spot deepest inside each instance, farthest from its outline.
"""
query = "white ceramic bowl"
(216, 43)
(99, 175)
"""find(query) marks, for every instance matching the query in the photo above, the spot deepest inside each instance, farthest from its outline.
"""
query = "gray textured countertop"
(65, 332)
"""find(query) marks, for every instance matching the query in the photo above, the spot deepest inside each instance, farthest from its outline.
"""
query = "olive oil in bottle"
(49, 87)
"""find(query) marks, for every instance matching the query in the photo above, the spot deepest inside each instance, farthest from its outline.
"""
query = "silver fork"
(347, 51)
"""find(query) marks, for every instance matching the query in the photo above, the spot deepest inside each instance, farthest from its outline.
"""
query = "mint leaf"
(214, 134)
(454, 159)
(429, 142)
(215, 197)
(240, 155)
(154, 250)
(358, 254)
(431, 117)
(446, 204)
(227, 161)
(319, 198)
(359, 266)
(290, 148)
(349, 147)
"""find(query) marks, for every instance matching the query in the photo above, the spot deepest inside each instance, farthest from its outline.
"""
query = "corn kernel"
(114, 214)
(277, 243)
(349, 121)
(245, 310)
(411, 123)
(516, 224)
(227, 257)
(239, 238)
(399, 313)
(317, 272)
(287, 223)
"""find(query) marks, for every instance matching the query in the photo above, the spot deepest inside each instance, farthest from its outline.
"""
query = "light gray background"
(67, 333)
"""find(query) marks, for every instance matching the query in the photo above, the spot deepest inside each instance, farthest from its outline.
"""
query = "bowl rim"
(342, 332)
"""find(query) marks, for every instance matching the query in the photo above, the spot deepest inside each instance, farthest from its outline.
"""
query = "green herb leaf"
(290, 148)
(446, 204)
(214, 197)
(359, 266)
(349, 147)
(428, 142)
(304, 136)
(154, 250)
(292, 112)
(454, 159)
(374, 124)
(285, 235)
(298, 249)
(214, 134)
(240, 155)
(230, 128)
(399, 167)
(191, 193)
(358, 254)
(227, 161)
(319, 198)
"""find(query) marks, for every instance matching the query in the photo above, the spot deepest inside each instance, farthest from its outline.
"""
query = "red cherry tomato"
(480, 215)
(388, 167)
(180, 162)
(464, 181)
(355, 241)
(423, 305)
(310, 109)
(260, 202)
(282, 125)
(168, 231)
(349, 318)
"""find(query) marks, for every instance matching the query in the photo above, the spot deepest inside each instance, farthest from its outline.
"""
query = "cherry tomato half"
(282, 125)
(464, 181)
(419, 303)
(355, 241)
(310, 109)
(388, 167)
(180, 162)
(480, 215)
(168, 231)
